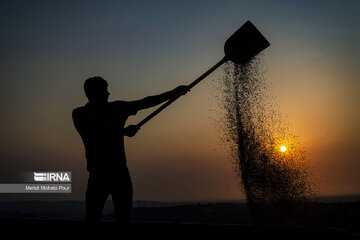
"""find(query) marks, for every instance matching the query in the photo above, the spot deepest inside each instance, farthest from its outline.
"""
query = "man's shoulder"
(127, 107)
(118, 104)
(79, 110)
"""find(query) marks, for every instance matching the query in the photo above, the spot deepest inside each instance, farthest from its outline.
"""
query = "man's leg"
(96, 195)
(122, 195)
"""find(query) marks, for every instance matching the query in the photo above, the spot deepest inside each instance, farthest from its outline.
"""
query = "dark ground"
(62, 228)
(336, 220)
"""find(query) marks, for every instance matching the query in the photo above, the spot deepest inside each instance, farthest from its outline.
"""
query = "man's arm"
(152, 101)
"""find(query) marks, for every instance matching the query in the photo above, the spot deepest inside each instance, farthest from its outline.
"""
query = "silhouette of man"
(101, 126)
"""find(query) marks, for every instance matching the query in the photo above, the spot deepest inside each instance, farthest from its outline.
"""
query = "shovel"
(240, 48)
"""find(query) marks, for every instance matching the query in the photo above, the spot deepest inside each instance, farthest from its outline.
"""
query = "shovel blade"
(244, 44)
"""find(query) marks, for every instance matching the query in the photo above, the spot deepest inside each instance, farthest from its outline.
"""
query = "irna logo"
(52, 176)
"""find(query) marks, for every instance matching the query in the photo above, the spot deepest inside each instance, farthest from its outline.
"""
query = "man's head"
(96, 89)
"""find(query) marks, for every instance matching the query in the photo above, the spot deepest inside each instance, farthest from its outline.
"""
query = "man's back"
(102, 130)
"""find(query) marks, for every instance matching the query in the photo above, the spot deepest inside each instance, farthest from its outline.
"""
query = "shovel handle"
(191, 85)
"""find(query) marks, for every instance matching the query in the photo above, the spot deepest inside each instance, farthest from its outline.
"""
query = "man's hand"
(131, 130)
(181, 90)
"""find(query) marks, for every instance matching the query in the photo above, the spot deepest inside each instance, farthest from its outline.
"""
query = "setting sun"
(283, 148)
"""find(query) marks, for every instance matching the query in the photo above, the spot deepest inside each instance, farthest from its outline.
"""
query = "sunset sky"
(49, 48)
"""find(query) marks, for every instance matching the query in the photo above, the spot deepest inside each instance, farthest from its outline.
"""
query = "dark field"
(65, 229)
(336, 220)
